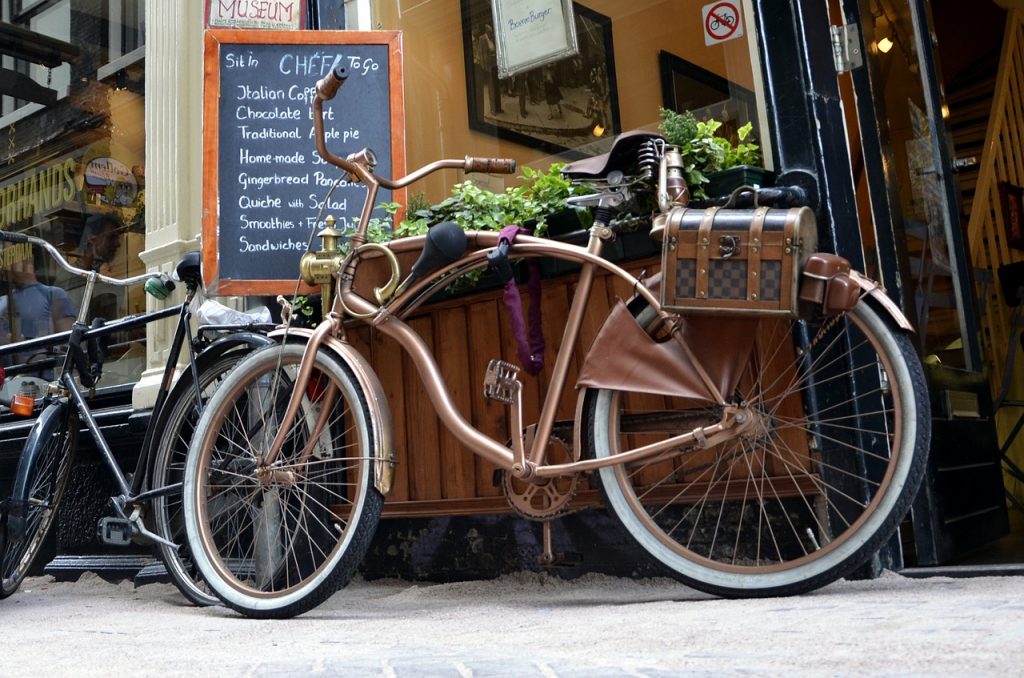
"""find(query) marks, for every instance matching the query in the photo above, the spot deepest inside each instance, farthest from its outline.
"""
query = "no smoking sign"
(722, 21)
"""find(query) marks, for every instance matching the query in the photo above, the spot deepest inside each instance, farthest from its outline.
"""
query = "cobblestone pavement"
(525, 625)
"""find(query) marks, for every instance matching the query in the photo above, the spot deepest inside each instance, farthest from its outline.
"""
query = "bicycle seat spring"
(648, 156)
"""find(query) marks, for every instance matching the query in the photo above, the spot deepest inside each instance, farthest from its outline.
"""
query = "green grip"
(155, 288)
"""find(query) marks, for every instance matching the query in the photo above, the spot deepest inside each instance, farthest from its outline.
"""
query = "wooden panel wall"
(435, 473)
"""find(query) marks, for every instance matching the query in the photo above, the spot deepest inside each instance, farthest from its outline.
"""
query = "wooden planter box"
(435, 474)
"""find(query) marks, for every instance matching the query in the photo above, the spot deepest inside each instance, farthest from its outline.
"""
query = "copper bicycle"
(780, 456)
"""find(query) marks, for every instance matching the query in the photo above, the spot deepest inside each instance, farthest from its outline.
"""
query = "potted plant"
(715, 165)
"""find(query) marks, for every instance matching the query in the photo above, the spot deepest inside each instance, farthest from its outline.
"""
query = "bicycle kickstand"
(136, 520)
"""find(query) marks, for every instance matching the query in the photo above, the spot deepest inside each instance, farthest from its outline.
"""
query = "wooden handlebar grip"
(328, 86)
(490, 165)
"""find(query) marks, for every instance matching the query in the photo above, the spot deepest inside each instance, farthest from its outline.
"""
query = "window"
(72, 163)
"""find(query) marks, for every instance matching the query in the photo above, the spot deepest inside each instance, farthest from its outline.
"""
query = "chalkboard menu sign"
(264, 183)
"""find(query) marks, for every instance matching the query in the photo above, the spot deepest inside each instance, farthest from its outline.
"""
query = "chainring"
(543, 498)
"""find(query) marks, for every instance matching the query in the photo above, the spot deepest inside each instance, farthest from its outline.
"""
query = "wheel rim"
(710, 506)
(171, 458)
(272, 533)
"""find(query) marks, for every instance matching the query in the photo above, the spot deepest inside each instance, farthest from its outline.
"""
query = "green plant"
(541, 193)
(704, 150)
(305, 311)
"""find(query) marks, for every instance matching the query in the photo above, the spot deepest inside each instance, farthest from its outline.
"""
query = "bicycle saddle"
(622, 156)
(189, 269)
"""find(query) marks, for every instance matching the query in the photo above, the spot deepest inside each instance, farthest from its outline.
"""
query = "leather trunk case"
(739, 261)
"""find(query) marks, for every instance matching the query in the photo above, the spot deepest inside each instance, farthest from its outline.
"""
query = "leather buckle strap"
(754, 254)
(704, 251)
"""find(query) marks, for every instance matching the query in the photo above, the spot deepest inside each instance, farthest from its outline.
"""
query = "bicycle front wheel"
(274, 541)
(172, 441)
(42, 476)
(809, 494)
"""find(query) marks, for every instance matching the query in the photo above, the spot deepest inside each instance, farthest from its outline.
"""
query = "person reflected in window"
(486, 62)
(100, 242)
(31, 309)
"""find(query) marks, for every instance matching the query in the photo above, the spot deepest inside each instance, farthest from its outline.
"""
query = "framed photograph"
(1012, 199)
(556, 107)
(531, 33)
(685, 86)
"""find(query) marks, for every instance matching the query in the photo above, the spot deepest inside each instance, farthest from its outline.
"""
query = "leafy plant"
(305, 311)
(541, 194)
(704, 150)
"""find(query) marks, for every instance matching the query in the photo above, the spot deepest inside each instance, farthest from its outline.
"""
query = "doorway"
(909, 198)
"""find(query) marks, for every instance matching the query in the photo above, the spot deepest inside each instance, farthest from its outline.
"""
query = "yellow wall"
(435, 83)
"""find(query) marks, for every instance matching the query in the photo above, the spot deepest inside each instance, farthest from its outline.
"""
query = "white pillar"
(174, 166)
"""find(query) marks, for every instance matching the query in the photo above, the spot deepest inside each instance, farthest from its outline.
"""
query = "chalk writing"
(271, 181)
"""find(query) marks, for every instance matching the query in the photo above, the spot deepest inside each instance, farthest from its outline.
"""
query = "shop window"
(543, 101)
(72, 168)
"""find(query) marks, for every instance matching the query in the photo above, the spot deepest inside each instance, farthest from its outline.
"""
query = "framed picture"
(556, 107)
(531, 33)
(1011, 198)
(685, 86)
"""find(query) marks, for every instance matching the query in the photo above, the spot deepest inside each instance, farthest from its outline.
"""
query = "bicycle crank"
(543, 498)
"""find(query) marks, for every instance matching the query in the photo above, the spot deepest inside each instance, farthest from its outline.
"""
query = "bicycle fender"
(41, 428)
(228, 342)
(380, 411)
(877, 293)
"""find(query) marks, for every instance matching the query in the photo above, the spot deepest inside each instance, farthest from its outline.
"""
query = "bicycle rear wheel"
(172, 440)
(811, 493)
(42, 476)
(275, 542)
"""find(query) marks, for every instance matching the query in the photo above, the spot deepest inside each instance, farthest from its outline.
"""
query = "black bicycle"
(147, 508)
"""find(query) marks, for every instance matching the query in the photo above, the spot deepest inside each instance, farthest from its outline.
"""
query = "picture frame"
(532, 33)
(244, 15)
(685, 86)
(517, 108)
(1011, 199)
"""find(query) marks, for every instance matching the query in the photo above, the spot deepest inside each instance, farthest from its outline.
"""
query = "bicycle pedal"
(114, 531)
(501, 382)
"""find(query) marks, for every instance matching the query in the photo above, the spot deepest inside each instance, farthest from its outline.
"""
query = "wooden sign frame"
(214, 41)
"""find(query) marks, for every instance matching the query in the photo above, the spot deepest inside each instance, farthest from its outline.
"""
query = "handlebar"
(328, 86)
(9, 236)
(359, 166)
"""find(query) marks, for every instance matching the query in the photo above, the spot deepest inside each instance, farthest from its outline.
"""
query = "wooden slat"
(489, 417)
(422, 426)
(458, 473)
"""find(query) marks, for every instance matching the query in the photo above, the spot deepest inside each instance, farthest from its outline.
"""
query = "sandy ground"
(525, 624)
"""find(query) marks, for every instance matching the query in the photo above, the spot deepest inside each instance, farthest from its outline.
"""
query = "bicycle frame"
(385, 316)
(133, 491)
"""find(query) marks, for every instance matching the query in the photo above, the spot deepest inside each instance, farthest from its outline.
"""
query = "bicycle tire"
(776, 515)
(172, 438)
(42, 475)
(279, 547)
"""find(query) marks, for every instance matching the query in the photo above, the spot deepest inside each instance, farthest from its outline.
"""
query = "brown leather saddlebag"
(745, 261)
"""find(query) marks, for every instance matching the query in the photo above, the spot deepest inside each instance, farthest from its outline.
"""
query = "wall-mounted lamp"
(884, 45)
